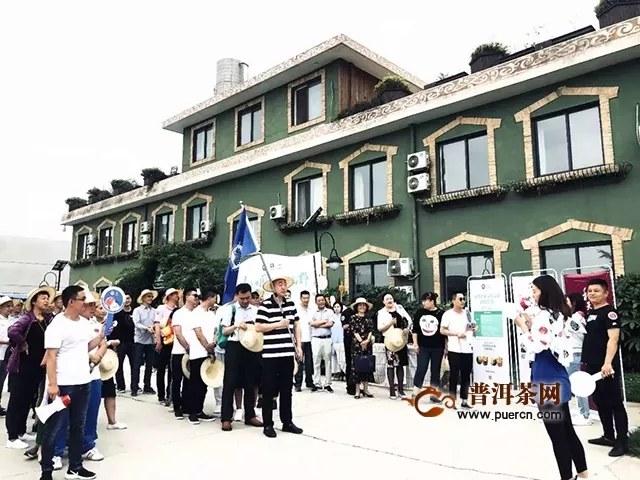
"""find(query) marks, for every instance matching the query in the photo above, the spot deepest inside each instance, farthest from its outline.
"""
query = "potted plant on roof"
(152, 175)
(118, 187)
(487, 55)
(75, 203)
(610, 12)
(97, 195)
(390, 88)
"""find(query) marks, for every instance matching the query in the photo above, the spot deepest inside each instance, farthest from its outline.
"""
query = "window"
(81, 247)
(369, 185)
(128, 237)
(195, 215)
(164, 228)
(569, 141)
(308, 197)
(105, 241)
(101, 289)
(456, 269)
(577, 256)
(369, 274)
(464, 164)
(203, 143)
(249, 125)
(306, 102)
(253, 221)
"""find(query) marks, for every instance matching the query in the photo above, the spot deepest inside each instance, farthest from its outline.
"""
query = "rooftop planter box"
(474, 195)
(75, 203)
(610, 12)
(391, 88)
(487, 55)
(118, 187)
(152, 175)
(368, 215)
(295, 227)
(96, 195)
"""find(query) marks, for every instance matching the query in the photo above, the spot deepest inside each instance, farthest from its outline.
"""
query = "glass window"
(369, 185)
(576, 257)
(308, 197)
(203, 145)
(106, 241)
(164, 228)
(253, 223)
(128, 237)
(250, 125)
(195, 215)
(81, 247)
(569, 141)
(457, 269)
(369, 274)
(307, 102)
(464, 164)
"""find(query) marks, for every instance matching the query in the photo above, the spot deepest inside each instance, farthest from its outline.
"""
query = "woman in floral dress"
(361, 327)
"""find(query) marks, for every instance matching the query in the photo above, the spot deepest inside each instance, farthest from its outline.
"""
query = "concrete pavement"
(343, 438)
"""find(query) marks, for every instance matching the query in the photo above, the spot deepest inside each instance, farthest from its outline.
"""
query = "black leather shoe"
(618, 450)
(602, 441)
(269, 432)
(291, 428)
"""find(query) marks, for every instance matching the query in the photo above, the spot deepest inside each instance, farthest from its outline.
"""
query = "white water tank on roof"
(229, 73)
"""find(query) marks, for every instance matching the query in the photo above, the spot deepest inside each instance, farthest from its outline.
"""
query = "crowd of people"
(254, 352)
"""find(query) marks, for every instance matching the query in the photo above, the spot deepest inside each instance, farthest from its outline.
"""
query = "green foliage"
(119, 187)
(173, 265)
(489, 49)
(152, 175)
(634, 443)
(632, 386)
(75, 203)
(97, 195)
(604, 5)
(628, 305)
(359, 108)
(391, 82)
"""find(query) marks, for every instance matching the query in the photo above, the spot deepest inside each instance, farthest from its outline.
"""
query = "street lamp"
(59, 266)
(334, 261)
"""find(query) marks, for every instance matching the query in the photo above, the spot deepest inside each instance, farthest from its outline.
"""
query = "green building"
(523, 164)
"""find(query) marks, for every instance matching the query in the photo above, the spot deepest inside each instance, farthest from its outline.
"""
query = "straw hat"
(109, 365)
(395, 340)
(32, 294)
(58, 294)
(267, 285)
(360, 300)
(212, 372)
(146, 291)
(185, 366)
(170, 291)
(251, 339)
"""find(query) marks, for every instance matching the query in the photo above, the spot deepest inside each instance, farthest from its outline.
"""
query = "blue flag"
(243, 244)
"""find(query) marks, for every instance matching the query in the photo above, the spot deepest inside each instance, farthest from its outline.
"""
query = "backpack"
(221, 340)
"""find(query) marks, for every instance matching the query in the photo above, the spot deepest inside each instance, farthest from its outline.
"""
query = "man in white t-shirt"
(200, 336)
(68, 341)
(5, 308)
(180, 383)
(305, 312)
(458, 325)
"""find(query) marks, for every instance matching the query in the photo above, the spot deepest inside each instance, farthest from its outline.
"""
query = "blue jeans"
(583, 402)
(90, 426)
(75, 414)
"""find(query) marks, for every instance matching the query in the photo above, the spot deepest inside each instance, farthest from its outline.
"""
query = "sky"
(86, 85)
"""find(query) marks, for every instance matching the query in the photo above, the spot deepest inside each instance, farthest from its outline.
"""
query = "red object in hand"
(543, 330)
(66, 400)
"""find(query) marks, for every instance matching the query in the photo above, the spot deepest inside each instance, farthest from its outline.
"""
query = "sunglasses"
(81, 299)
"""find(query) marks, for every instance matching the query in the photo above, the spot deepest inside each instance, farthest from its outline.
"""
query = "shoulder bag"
(221, 339)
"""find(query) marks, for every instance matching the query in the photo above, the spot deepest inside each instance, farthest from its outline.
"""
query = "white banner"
(487, 298)
(300, 268)
(523, 296)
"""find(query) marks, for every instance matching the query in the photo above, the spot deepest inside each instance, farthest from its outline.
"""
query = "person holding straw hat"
(144, 318)
(164, 339)
(278, 320)
(361, 327)
(394, 323)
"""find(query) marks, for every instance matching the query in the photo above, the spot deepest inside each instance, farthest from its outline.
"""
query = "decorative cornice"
(101, 280)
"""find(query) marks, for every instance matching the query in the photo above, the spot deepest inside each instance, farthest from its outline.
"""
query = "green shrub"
(119, 187)
(634, 443)
(632, 386)
(604, 5)
(389, 83)
(628, 305)
(489, 49)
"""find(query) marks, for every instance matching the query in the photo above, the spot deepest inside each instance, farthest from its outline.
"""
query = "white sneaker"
(27, 437)
(581, 421)
(57, 463)
(17, 444)
(94, 455)
(117, 426)
(239, 415)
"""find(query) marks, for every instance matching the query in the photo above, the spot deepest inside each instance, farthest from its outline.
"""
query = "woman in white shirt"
(393, 315)
(337, 336)
(575, 329)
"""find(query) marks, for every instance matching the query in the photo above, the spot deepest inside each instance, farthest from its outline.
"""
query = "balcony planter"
(368, 215)
(75, 203)
(295, 227)
(124, 256)
(610, 12)
(391, 88)
(475, 195)
(201, 241)
(104, 259)
(486, 56)
(83, 262)
(152, 175)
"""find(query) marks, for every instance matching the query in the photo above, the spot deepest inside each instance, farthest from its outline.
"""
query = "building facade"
(525, 165)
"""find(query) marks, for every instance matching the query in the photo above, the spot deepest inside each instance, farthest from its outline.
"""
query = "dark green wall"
(512, 219)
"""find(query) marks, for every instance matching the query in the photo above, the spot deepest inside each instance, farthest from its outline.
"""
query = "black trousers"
(305, 364)
(163, 367)
(351, 386)
(239, 373)
(609, 400)
(426, 356)
(461, 365)
(278, 380)
(124, 350)
(197, 387)
(179, 386)
(567, 447)
(24, 389)
(143, 354)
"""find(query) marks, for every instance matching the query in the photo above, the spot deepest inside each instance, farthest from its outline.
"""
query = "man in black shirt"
(428, 342)
(600, 354)
(123, 331)
(347, 313)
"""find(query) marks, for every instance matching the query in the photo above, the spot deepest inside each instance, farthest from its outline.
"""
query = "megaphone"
(43, 412)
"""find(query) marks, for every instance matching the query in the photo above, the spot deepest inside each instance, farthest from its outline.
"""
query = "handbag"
(221, 340)
(366, 364)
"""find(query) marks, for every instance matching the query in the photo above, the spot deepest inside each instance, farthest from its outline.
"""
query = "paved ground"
(343, 438)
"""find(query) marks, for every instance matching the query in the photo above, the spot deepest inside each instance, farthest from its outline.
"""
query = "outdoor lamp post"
(56, 271)
(334, 261)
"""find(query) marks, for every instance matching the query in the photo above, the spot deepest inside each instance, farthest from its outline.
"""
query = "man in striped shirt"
(278, 320)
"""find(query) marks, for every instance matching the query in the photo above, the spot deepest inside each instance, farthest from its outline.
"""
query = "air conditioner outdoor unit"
(91, 239)
(205, 226)
(145, 227)
(400, 267)
(418, 183)
(409, 291)
(277, 212)
(417, 161)
(145, 239)
(91, 250)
